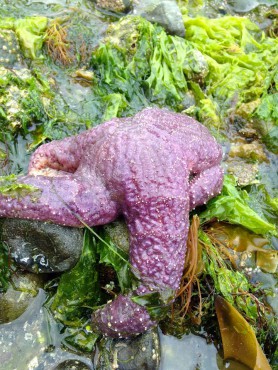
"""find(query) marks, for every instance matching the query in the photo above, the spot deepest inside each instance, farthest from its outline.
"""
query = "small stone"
(118, 233)
(246, 173)
(124, 353)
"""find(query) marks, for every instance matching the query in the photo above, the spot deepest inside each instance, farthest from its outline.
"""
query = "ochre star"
(153, 168)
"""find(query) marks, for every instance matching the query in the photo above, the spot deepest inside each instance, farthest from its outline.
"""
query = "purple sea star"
(153, 168)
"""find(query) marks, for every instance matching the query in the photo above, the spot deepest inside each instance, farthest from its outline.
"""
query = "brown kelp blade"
(238, 338)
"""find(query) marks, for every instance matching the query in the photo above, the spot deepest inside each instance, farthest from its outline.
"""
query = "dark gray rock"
(142, 352)
(42, 247)
(165, 13)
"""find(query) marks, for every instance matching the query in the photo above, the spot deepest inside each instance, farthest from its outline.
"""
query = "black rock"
(41, 246)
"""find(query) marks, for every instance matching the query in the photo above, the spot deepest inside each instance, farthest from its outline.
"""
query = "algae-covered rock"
(245, 173)
(21, 99)
(30, 33)
(252, 151)
(10, 53)
(245, 110)
(70, 40)
(117, 6)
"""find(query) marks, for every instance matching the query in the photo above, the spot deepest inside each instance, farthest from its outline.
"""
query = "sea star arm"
(205, 186)
(157, 218)
(64, 200)
(158, 232)
(63, 155)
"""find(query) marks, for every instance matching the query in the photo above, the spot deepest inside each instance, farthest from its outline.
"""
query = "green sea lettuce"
(111, 255)
(242, 68)
(138, 64)
(227, 63)
(30, 32)
(78, 289)
(232, 205)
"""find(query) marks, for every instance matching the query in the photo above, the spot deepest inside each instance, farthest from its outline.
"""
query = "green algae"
(71, 303)
(228, 64)
(30, 32)
(241, 62)
(10, 187)
(5, 271)
(143, 65)
(232, 205)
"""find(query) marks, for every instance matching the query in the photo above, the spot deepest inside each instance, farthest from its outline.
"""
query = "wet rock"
(188, 100)
(166, 13)
(33, 341)
(189, 352)
(269, 284)
(19, 295)
(117, 6)
(142, 352)
(42, 247)
(247, 5)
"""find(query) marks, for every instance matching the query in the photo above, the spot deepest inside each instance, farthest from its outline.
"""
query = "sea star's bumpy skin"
(152, 168)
